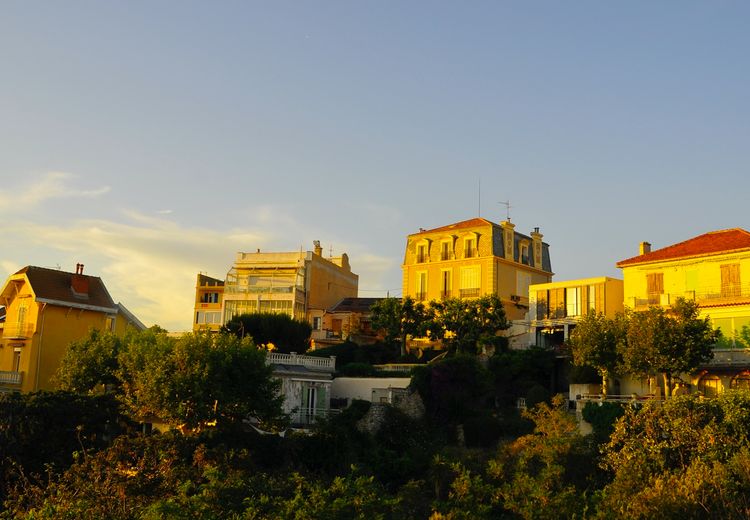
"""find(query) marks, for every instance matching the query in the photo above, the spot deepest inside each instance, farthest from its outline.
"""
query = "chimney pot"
(644, 248)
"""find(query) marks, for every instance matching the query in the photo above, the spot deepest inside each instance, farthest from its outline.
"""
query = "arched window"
(741, 381)
(709, 385)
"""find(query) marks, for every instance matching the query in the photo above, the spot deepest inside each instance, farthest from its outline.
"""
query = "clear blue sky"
(153, 140)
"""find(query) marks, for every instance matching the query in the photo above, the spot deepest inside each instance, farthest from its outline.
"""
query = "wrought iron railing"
(10, 378)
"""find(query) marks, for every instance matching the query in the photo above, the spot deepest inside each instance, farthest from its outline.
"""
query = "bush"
(537, 394)
(482, 430)
(602, 417)
(584, 375)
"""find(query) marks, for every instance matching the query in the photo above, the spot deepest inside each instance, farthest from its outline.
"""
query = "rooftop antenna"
(507, 208)
(479, 199)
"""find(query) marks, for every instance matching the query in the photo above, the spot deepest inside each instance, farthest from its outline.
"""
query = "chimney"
(644, 248)
(80, 282)
(318, 249)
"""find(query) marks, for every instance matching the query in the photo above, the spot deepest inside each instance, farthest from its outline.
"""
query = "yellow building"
(556, 307)
(709, 269)
(476, 258)
(209, 297)
(46, 310)
(301, 284)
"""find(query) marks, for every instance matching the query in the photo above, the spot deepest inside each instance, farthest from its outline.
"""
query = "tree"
(89, 363)
(280, 330)
(469, 325)
(198, 378)
(400, 319)
(598, 341)
(668, 341)
(686, 458)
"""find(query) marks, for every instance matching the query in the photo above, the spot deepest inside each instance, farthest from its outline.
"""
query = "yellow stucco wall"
(425, 256)
(699, 279)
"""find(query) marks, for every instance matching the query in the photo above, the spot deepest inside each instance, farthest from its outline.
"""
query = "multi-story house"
(301, 284)
(45, 310)
(475, 258)
(556, 307)
(714, 270)
(209, 297)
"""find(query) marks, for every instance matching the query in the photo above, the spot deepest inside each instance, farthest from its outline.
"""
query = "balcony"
(469, 293)
(729, 358)
(705, 297)
(308, 416)
(18, 331)
(422, 258)
(10, 378)
(313, 362)
(470, 253)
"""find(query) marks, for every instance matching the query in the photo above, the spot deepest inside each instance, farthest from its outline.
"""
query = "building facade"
(301, 284)
(556, 307)
(712, 269)
(46, 310)
(475, 258)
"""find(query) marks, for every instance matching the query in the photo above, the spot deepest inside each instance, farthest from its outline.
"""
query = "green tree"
(686, 458)
(399, 319)
(598, 341)
(89, 363)
(668, 342)
(197, 378)
(469, 325)
(281, 330)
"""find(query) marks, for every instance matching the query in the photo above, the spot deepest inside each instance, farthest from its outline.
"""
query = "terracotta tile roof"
(51, 284)
(474, 222)
(711, 243)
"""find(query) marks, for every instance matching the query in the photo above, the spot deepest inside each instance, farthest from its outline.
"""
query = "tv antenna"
(507, 208)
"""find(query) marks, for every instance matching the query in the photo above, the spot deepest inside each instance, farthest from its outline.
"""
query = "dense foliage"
(275, 331)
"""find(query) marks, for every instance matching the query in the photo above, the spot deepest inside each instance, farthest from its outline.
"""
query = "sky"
(152, 141)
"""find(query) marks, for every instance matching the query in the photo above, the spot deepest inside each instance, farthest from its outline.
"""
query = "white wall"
(361, 387)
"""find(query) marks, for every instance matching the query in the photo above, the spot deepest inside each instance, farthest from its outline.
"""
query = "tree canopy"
(280, 330)
(668, 341)
(598, 341)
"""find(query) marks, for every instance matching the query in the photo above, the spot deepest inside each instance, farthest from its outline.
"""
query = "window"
(470, 248)
(212, 297)
(421, 286)
(557, 303)
(730, 280)
(741, 382)
(421, 254)
(542, 307)
(524, 258)
(523, 280)
(572, 301)
(709, 386)
(317, 323)
(109, 323)
(654, 287)
(470, 282)
(16, 360)
(445, 252)
(445, 284)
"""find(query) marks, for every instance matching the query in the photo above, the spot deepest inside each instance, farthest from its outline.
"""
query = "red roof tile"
(711, 243)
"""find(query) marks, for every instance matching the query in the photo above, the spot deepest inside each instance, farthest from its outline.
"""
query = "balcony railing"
(469, 293)
(445, 255)
(309, 416)
(421, 258)
(10, 378)
(254, 289)
(18, 331)
(704, 296)
(420, 296)
(470, 253)
(319, 363)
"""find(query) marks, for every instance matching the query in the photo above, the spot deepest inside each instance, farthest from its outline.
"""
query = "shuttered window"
(730, 280)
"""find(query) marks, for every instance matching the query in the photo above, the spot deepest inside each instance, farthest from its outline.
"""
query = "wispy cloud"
(51, 185)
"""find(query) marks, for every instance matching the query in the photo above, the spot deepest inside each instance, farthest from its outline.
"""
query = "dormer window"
(421, 253)
(524, 253)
